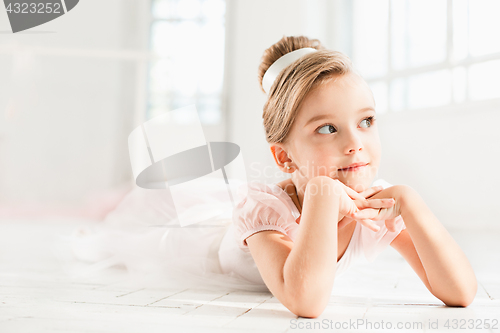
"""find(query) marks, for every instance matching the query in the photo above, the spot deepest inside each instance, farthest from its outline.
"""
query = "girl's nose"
(353, 150)
(354, 144)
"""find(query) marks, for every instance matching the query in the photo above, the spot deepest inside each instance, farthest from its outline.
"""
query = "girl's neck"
(294, 190)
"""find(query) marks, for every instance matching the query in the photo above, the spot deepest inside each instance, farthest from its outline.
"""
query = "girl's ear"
(279, 154)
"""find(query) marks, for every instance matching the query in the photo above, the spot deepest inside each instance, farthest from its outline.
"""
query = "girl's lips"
(354, 169)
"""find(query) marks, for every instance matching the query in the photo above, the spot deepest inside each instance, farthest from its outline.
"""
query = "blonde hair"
(296, 81)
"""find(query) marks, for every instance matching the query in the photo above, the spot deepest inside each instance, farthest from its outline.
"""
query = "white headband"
(280, 64)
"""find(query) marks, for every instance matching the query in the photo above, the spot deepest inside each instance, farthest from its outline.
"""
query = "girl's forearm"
(448, 271)
(310, 268)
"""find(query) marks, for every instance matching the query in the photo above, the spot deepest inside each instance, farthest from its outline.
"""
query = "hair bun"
(283, 46)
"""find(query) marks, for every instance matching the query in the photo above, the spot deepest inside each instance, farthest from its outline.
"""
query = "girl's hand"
(389, 214)
(361, 202)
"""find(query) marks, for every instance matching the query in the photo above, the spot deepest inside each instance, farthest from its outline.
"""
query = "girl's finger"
(367, 213)
(379, 203)
(369, 224)
(345, 221)
(391, 224)
(352, 194)
(371, 191)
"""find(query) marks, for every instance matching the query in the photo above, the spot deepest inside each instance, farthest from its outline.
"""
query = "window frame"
(447, 64)
(216, 132)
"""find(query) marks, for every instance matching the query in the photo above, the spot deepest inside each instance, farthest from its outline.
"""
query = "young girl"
(320, 122)
(292, 238)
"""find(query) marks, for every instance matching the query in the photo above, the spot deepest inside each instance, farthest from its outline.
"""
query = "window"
(418, 54)
(188, 37)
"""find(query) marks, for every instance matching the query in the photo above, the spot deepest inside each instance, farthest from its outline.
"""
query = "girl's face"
(334, 128)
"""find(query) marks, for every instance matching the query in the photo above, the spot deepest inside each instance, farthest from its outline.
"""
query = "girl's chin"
(357, 185)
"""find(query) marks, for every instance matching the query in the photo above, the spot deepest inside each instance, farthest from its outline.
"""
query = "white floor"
(37, 295)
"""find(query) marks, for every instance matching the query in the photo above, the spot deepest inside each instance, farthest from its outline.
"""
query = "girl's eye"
(328, 128)
(370, 119)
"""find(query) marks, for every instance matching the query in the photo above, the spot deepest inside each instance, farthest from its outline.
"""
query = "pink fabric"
(373, 243)
(268, 207)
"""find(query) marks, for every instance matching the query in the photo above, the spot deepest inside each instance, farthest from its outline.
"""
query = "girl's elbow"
(465, 299)
(308, 312)
(462, 296)
(464, 302)
(468, 297)
(310, 308)
(302, 300)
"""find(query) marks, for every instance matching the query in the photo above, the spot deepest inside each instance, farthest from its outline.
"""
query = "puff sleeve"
(261, 209)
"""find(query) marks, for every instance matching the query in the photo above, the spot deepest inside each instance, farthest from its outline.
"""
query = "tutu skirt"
(143, 236)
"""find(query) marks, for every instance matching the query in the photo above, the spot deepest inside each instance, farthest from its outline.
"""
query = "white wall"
(450, 156)
(67, 108)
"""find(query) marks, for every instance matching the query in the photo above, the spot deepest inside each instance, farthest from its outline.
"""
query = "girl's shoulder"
(263, 207)
(276, 196)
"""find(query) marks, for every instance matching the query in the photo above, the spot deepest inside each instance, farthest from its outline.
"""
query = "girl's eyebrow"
(324, 116)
